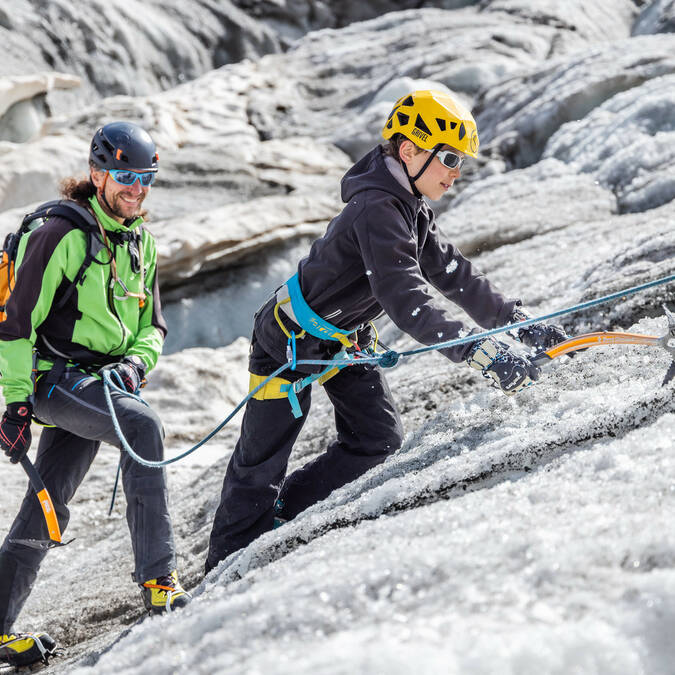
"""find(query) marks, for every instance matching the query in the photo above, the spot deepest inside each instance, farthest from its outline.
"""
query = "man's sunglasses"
(449, 159)
(126, 177)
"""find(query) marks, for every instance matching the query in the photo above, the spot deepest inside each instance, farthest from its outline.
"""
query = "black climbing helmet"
(123, 145)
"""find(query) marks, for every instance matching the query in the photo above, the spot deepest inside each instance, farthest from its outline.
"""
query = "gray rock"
(627, 144)
(130, 49)
(516, 206)
(137, 50)
(32, 171)
(656, 17)
(517, 117)
(219, 238)
(23, 103)
(596, 21)
(329, 79)
(291, 19)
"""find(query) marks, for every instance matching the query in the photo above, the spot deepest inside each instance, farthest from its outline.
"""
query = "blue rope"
(545, 317)
(386, 360)
(108, 385)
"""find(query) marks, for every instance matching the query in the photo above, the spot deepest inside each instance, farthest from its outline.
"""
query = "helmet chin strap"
(105, 199)
(413, 179)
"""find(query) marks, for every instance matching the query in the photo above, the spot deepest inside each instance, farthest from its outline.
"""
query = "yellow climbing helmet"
(429, 118)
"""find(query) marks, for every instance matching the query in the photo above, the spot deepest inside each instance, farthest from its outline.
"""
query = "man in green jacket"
(110, 319)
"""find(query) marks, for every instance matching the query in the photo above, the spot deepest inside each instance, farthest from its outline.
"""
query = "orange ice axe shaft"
(48, 511)
(586, 340)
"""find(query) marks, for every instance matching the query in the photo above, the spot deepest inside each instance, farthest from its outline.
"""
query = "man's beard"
(117, 207)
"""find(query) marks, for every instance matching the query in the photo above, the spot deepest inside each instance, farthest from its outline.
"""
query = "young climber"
(110, 319)
(380, 255)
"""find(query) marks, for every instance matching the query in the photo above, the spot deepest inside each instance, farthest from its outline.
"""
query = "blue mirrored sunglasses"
(449, 159)
(126, 177)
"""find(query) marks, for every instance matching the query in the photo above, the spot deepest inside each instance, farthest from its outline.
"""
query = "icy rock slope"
(535, 538)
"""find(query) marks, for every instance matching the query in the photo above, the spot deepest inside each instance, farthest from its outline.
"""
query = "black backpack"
(78, 217)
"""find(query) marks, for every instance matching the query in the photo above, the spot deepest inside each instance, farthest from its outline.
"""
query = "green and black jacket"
(94, 327)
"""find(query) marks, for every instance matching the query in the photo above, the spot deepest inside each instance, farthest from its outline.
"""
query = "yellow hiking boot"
(24, 649)
(164, 594)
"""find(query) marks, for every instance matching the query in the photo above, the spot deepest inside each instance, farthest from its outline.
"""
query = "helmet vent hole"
(408, 101)
(403, 119)
(441, 123)
(421, 125)
(462, 131)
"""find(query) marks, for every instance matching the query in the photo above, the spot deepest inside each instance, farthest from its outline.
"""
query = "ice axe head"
(668, 343)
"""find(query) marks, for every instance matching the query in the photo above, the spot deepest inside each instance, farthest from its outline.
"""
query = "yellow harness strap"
(271, 390)
(326, 376)
(346, 342)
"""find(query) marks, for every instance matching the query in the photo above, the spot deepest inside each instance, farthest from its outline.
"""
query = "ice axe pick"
(586, 340)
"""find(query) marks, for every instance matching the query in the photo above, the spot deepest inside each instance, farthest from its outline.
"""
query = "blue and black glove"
(511, 372)
(130, 371)
(15, 436)
(539, 336)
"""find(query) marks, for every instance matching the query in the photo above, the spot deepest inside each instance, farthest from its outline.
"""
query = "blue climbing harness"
(309, 320)
(296, 308)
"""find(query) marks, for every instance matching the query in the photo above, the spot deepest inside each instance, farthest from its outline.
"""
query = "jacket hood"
(371, 172)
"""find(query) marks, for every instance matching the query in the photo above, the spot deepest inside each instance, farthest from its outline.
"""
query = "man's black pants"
(368, 430)
(77, 408)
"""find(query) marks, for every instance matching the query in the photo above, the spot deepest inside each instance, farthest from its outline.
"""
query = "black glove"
(510, 371)
(15, 436)
(130, 370)
(540, 336)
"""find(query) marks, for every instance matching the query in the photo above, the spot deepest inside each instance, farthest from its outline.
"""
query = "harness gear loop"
(377, 336)
(281, 323)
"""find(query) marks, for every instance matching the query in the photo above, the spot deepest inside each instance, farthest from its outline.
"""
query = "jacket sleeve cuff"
(504, 316)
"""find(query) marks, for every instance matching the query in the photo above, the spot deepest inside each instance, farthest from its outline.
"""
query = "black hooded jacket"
(380, 254)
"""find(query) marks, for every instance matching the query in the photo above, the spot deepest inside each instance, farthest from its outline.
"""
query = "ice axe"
(47, 509)
(586, 340)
